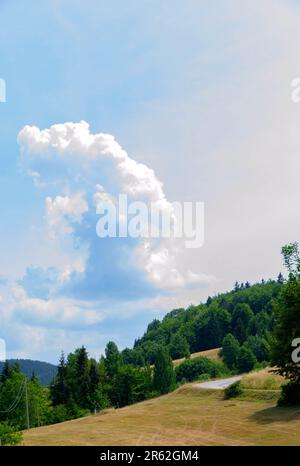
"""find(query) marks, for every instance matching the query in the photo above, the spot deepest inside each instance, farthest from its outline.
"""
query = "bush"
(290, 394)
(233, 390)
(246, 360)
(58, 414)
(193, 369)
(8, 435)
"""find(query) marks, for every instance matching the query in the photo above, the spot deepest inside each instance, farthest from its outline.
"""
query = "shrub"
(233, 390)
(290, 394)
(58, 414)
(8, 435)
(246, 360)
(193, 369)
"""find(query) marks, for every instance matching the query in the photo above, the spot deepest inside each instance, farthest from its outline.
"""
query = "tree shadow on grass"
(276, 414)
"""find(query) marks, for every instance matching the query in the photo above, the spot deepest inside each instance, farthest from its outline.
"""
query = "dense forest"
(244, 316)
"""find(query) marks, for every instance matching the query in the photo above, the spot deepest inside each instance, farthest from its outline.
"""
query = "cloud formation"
(69, 157)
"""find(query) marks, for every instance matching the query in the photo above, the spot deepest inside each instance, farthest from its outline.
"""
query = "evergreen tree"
(230, 351)
(112, 359)
(280, 279)
(241, 317)
(59, 389)
(6, 372)
(164, 376)
(97, 398)
(82, 378)
(208, 301)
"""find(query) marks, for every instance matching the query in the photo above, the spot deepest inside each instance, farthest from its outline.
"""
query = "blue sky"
(200, 93)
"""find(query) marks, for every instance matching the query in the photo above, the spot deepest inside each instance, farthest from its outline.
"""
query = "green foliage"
(82, 394)
(234, 390)
(244, 312)
(12, 399)
(179, 347)
(230, 351)
(290, 394)
(97, 398)
(59, 388)
(193, 369)
(133, 384)
(211, 326)
(291, 258)
(43, 370)
(288, 317)
(79, 386)
(133, 356)
(59, 413)
(9, 435)
(246, 359)
(241, 317)
(164, 376)
(112, 359)
(287, 329)
(260, 347)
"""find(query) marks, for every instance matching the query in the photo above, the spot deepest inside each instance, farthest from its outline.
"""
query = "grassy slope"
(188, 416)
(211, 354)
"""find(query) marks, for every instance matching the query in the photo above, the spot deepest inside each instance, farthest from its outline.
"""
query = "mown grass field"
(189, 416)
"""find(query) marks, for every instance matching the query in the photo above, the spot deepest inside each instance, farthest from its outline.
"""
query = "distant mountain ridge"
(43, 370)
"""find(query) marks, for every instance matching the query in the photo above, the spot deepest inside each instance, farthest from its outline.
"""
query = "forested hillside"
(43, 370)
(245, 313)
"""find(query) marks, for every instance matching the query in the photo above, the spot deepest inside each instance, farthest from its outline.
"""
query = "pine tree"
(59, 389)
(6, 372)
(82, 377)
(280, 279)
(97, 398)
(236, 286)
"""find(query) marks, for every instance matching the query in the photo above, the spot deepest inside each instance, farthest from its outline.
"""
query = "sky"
(164, 101)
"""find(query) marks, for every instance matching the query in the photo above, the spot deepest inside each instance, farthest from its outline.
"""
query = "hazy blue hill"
(44, 370)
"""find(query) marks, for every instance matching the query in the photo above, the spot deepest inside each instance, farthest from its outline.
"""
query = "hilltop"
(43, 370)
